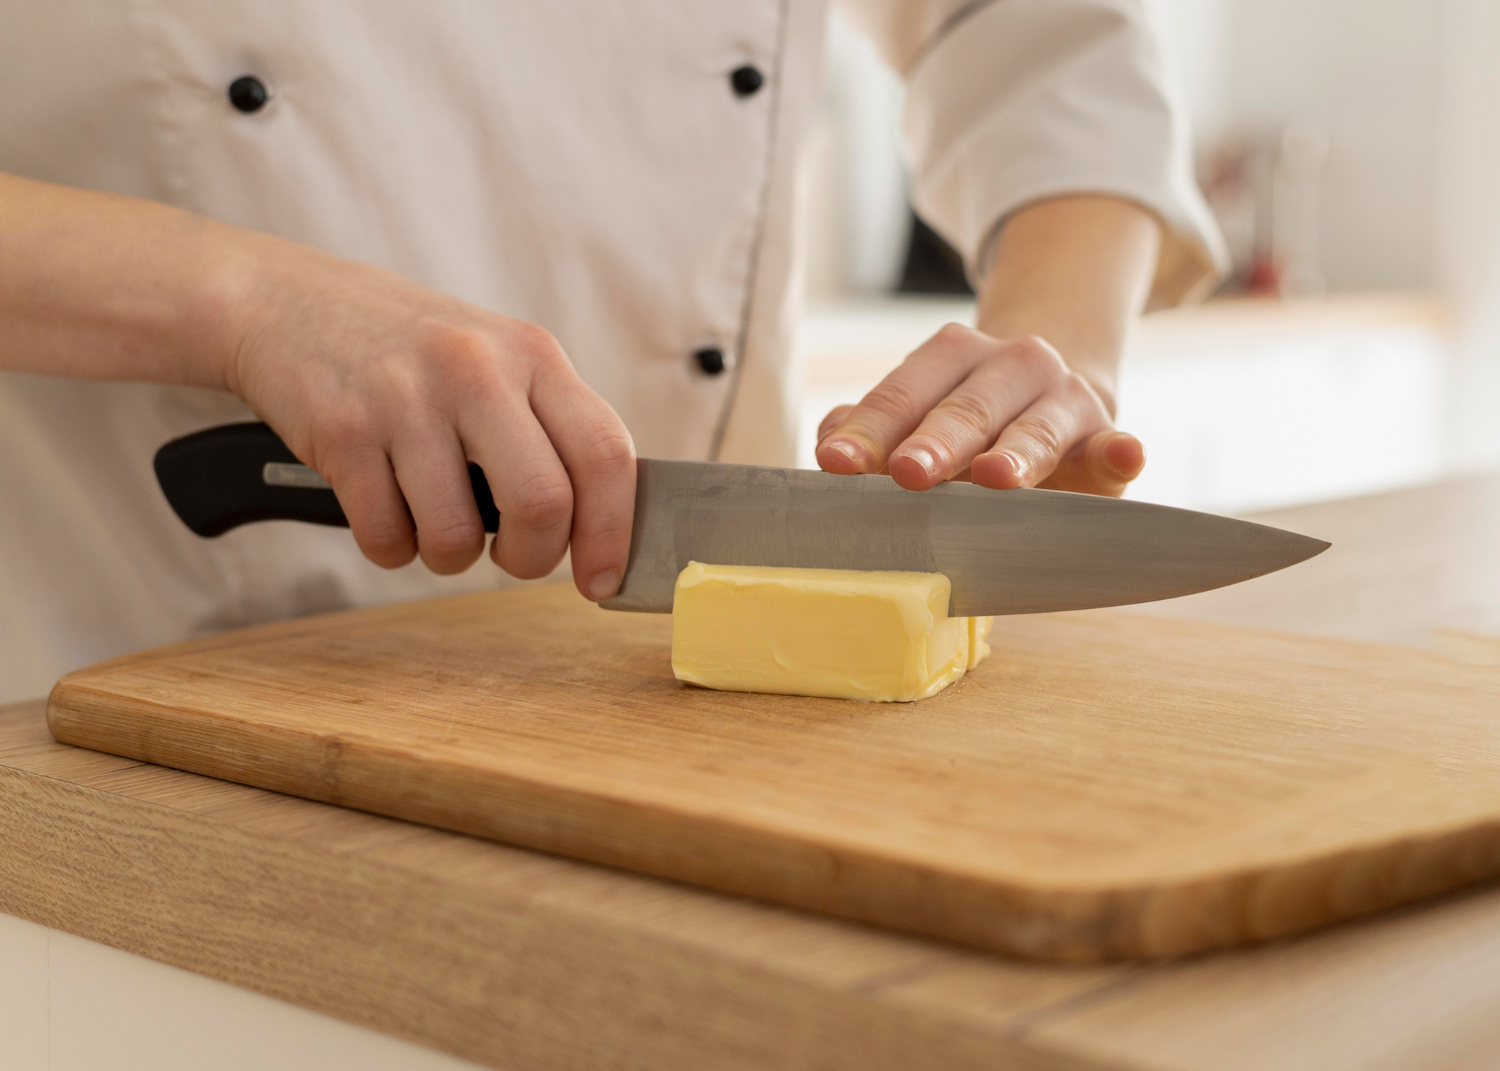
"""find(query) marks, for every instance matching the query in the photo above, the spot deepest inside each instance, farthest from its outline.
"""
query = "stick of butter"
(839, 633)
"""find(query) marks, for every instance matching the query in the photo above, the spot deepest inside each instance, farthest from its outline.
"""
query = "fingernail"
(844, 448)
(1017, 466)
(923, 457)
(604, 585)
(1114, 466)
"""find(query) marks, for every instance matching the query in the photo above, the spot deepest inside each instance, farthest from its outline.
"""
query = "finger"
(1036, 442)
(367, 491)
(893, 409)
(599, 456)
(836, 416)
(1104, 465)
(526, 477)
(434, 478)
(968, 421)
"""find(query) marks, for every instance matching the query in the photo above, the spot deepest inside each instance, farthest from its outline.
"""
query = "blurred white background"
(1352, 151)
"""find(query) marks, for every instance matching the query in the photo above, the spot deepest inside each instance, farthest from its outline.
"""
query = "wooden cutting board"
(1107, 785)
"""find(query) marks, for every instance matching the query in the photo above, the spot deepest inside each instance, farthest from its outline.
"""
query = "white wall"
(1466, 247)
(1369, 73)
(1195, 40)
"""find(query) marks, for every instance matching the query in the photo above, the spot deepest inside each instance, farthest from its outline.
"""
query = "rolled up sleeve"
(1016, 101)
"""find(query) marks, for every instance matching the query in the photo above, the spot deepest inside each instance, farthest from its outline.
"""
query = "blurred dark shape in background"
(931, 266)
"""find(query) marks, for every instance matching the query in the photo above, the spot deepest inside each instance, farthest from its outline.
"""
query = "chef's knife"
(1005, 552)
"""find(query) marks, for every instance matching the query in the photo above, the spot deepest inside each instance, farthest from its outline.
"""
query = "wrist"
(1073, 271)
(245, 280)
(208, 304)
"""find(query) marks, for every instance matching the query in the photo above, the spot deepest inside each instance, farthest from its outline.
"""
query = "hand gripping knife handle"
(236, 474)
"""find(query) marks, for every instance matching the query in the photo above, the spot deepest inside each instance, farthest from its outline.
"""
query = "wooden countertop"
(520, 960)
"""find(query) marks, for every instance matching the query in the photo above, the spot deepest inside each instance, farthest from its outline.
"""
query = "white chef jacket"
(587, 165)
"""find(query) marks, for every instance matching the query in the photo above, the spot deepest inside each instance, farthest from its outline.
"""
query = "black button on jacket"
(248, 93)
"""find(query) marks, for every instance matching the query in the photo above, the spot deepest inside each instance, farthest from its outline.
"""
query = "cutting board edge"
(1054, 923)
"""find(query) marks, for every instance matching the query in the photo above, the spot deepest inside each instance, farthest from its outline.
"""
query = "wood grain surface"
(510, 958)
(1402, 564)
(1108, 785)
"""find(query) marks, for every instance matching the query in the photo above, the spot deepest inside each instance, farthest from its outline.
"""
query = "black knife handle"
(215, 480)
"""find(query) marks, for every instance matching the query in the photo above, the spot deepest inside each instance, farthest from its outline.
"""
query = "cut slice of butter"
(838, 633)
(979, 639)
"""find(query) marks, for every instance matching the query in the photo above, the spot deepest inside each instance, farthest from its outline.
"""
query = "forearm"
(384, 386)
(1076, 272)
(98, 286)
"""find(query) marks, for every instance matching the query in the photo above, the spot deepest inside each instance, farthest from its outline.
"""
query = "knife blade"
(1005, 552)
